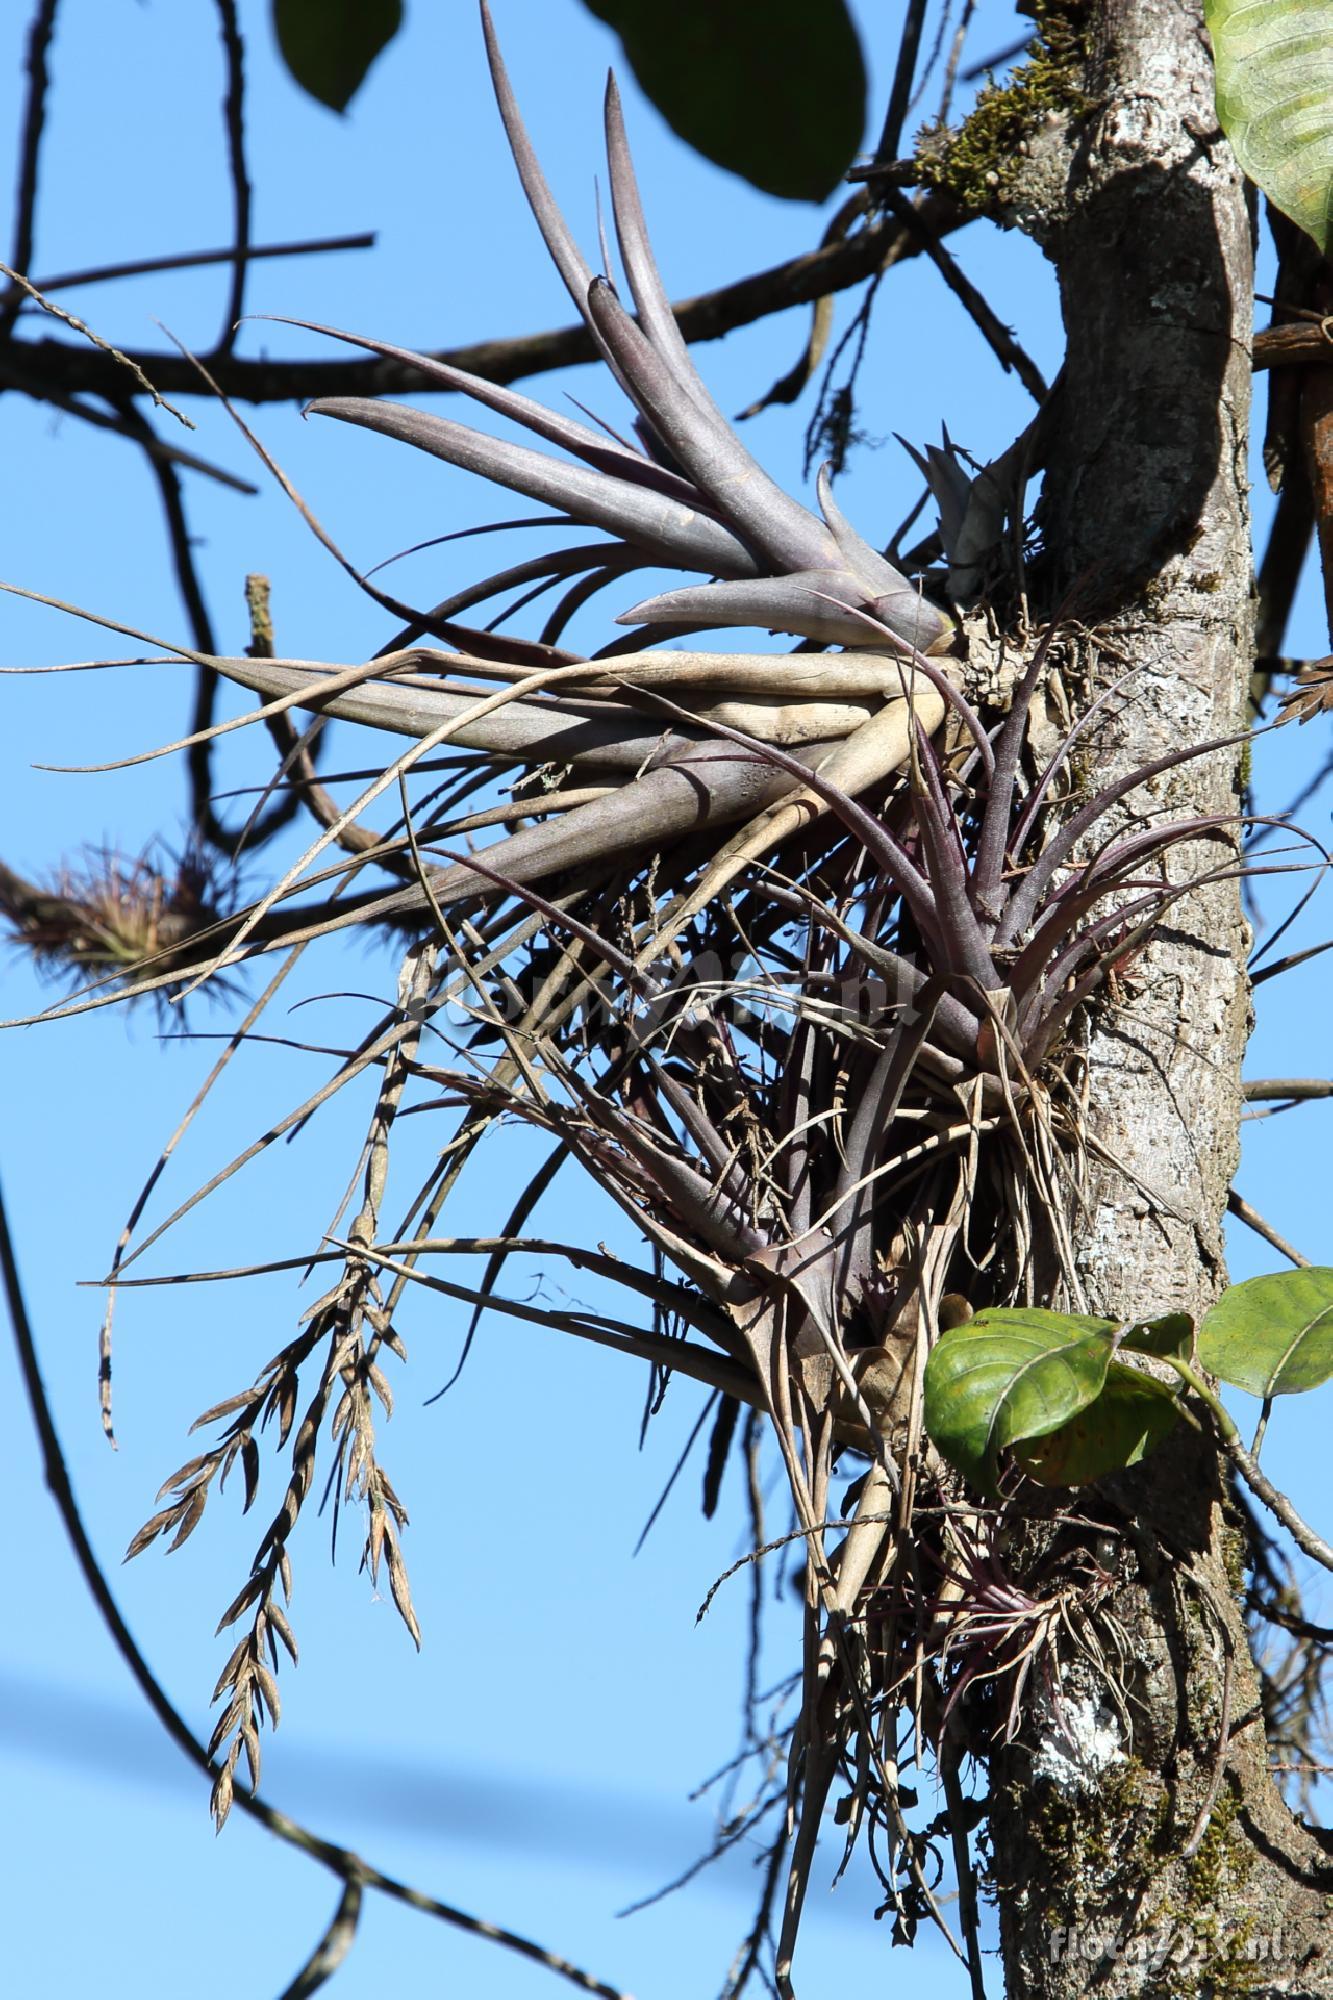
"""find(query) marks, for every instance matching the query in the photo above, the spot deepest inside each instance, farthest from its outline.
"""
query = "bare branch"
(709, 316)
(1263, 1090)
(233, 112)
(34, 118)
(1293, 346)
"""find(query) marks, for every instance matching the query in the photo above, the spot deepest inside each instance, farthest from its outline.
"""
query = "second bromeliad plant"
(786, 951)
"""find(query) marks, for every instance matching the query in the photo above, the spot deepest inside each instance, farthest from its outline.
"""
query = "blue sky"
(535, 1762)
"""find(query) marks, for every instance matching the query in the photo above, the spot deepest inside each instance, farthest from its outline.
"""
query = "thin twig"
(233, 112)
(950, 1766)
(256, 832)
(998, 337)
(34, 118)
(199, 756)
(16, 376)
(114, 386)
(1240, 1208)
(191, 260)
(900, 94)
(1300, 1628)
(1277, 1503)
(999, 60)
(1289, 964)
(336, 1941)
(945, 111)
(296, 748)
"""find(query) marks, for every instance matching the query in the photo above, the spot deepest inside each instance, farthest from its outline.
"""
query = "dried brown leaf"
(1310, 694)
(359, 1467)
(402, 1594)
(149, 1532)
(242, 1601)
(250, 1467)
(223, 1787)
(223, 1409)
(391, 1500)
(191, 1516)
(228, 1674)
(268, 1688)
(285, 1403)
(226, 1722)
(186, 1473)
(277, 1619)
(250, 1738)
(375, 1541)
(220, 1803)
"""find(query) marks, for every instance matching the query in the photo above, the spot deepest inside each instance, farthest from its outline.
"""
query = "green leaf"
(1272, 1336)
(1009, 1375)
(1274, 61)
(328, 45)
(776, 93)
(1171, 1333)
(1130, 1417)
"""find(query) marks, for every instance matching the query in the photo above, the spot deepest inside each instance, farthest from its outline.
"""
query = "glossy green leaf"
(1130, 1417)
(776, 93)
(1272, 1336)
(1274, 61)
(328, 45)
(1009, 1375)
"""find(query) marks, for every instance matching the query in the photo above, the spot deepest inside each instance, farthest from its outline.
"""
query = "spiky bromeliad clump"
(783, 951)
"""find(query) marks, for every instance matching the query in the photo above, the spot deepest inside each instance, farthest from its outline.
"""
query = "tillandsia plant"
(116, 911)
(788, 952)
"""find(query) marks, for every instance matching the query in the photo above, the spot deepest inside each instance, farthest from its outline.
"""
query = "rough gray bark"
(1171, 1836)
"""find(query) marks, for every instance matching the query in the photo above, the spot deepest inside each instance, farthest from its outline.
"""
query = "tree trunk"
(1142, 1847)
